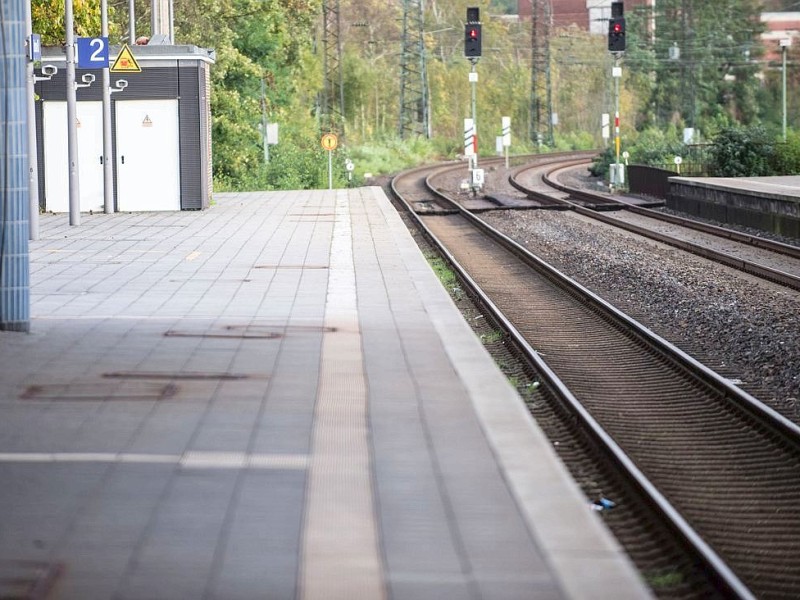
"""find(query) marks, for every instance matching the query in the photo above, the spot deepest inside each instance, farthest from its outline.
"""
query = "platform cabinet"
(161, 135)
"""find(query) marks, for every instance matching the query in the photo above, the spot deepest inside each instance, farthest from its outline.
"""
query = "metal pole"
(33, 159)
(474, 81)
(264, 121)
(330, 170)
(505, 131)
(132, 21)
(108, 171)
(783, 49)
(616, 109)
(172, 22)
(72, 113)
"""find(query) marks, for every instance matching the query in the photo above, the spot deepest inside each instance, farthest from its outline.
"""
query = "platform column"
(14, 177)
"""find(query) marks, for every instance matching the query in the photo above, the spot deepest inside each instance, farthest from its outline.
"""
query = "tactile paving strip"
(341, 557)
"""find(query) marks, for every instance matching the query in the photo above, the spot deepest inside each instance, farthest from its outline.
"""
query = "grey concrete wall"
(776, 213)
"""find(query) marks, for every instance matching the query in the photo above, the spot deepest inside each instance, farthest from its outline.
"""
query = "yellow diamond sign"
(125, 62)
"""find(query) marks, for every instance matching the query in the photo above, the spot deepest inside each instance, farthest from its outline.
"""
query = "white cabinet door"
(90, 154)
(148, 164)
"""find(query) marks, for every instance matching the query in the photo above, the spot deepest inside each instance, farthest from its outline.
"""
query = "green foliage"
(297, 163)
(659, 580)
(255, 40)
(300, 163)
(714, 76)
(600, 163)
(447, 147)
(575, 140)
(492, 337)
(743, 152)
(580, 84)
(505, 7)
(737, 151)
(656, 147)
(279, 42)
(787, 155)
(236, 139)
(391, 155)
(48, 19)
(443, 271)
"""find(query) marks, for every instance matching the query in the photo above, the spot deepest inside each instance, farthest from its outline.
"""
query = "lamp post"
(785, 43)
(618, 177)
(131, 22)
(72, 134)
(108, 171)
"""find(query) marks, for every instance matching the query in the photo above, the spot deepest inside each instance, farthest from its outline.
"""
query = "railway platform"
(273, 398)
(768, 203)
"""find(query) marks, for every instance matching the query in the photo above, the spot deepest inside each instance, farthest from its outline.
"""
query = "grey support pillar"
(14, 259)
(160, 18)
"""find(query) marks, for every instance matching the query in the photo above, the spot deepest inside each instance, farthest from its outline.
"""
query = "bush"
(601, 163)
(657, 148)
(392, 155)
(743, 152)
(577, 140)
(298, 162)
(787, 155)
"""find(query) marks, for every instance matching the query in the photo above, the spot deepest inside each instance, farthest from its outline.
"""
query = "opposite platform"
(768, 203)
(273, 398)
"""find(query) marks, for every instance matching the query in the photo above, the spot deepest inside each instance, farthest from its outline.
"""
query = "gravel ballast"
(745, 329)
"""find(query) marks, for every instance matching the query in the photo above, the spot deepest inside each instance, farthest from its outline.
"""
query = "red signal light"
(472, 40)
(616, 34)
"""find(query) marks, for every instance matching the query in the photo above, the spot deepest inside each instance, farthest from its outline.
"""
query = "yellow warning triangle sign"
(125, 62)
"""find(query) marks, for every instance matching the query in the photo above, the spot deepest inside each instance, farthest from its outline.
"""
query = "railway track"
(714, 467)
(767, 259)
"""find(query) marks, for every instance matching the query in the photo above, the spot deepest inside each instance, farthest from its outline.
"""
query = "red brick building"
(589, 15)
(779, 26)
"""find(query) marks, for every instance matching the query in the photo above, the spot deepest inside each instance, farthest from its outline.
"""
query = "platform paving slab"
(273, 398)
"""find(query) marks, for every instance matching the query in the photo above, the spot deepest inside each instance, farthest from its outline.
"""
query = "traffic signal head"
(472, 40)
(616, 34)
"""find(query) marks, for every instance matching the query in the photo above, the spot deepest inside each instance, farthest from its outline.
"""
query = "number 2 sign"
(92, 53)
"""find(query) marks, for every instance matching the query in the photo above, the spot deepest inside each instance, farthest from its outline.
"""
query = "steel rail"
(746, 266)
(722, 232)
(723, 574)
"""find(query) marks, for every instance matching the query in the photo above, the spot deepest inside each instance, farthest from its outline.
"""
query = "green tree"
(275, 45)
(702, 59)
(255, 40)
(48, 19)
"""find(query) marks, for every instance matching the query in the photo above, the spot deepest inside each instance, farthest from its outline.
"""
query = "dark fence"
(653, 181)
(687, 169)
(649, 181)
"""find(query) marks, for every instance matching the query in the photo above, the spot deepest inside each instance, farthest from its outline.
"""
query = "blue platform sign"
(92, 53)
(35, 47)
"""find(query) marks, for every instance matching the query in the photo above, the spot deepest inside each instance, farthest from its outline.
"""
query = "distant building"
(588, 15)
(593, 15)
(779, 26)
